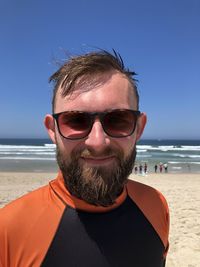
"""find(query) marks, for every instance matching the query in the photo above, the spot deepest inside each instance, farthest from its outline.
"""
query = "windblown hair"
(79, 69)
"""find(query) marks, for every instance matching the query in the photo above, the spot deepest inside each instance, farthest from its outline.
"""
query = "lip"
(98, 161)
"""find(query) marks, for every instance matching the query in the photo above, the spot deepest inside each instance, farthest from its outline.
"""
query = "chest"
(122, 237)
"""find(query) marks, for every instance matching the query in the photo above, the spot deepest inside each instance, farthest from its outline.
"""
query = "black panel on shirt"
(122, 237)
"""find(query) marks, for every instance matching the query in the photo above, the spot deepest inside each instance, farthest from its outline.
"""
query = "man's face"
(96, 167)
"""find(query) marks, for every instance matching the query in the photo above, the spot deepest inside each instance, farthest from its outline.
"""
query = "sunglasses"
(116, 123)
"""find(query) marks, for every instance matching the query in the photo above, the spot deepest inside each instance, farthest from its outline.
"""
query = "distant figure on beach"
(91, 214)
(140, 168)
(165, 167)
(155, 167)
(145, 167)
(161, 167)
(136, 169)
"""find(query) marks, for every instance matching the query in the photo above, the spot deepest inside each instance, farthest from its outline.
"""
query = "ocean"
(38, 155)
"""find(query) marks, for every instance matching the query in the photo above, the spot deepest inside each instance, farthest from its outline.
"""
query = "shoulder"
(24, 206)
(153, 205)
(145, 193)
(28, 223)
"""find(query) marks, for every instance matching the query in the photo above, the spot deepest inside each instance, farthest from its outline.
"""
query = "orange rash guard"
(50, 227)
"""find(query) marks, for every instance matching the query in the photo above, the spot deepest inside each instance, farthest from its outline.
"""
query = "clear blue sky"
(158, 39)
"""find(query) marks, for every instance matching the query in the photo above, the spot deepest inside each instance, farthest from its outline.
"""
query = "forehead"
(107, 91)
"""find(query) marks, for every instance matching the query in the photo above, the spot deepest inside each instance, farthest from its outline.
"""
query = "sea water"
(39, 155)
(179, 155)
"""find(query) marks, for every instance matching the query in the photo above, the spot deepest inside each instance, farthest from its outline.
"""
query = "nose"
(97, 139)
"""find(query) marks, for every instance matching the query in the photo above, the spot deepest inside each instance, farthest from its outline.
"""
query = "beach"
(182, 192)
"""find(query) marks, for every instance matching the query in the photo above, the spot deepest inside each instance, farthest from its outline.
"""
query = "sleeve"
(154, 206)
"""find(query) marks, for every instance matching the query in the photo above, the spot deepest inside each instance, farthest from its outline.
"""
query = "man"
(91, 214)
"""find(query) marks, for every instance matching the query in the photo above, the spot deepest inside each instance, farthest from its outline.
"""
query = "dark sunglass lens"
(74, 125)
(120, 123)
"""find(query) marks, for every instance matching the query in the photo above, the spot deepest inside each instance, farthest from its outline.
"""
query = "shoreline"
(41, 166)
(182, 191)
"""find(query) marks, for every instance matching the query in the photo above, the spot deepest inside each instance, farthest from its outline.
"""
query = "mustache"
(91, 153)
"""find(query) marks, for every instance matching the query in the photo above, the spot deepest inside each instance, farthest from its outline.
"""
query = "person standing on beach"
(136, 169)
(145, 168)
(165, 167)
(91, 214)
(140, 168)
(161, 167)
(155, 168)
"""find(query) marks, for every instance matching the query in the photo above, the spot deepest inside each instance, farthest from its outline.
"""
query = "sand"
(182, 192)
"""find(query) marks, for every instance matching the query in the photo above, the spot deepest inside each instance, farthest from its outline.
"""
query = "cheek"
(66, 147)
(126, 144)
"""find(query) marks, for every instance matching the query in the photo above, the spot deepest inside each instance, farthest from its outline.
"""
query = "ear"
(50, 126)
(141, 125)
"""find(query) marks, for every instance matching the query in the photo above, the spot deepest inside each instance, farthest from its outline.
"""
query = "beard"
(99, 186)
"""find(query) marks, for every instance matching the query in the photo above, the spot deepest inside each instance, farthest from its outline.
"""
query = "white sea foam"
(50, 145)
(183, 162)
(19, 147)
(144, 147)
(169, 148)
(25, 158)
(26, 148)
(48, 151)
(142, 150)
(25, 152)
(191, 147)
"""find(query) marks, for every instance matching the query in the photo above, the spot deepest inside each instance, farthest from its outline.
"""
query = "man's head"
(95, 126)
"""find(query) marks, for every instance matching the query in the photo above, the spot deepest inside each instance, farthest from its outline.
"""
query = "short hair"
(86, 66)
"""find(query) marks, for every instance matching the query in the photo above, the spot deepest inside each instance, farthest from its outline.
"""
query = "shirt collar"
(64, 195)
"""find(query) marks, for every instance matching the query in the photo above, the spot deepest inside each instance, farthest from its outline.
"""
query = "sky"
(159, 40)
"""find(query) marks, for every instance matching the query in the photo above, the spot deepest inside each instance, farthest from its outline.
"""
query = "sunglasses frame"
(93, 115)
